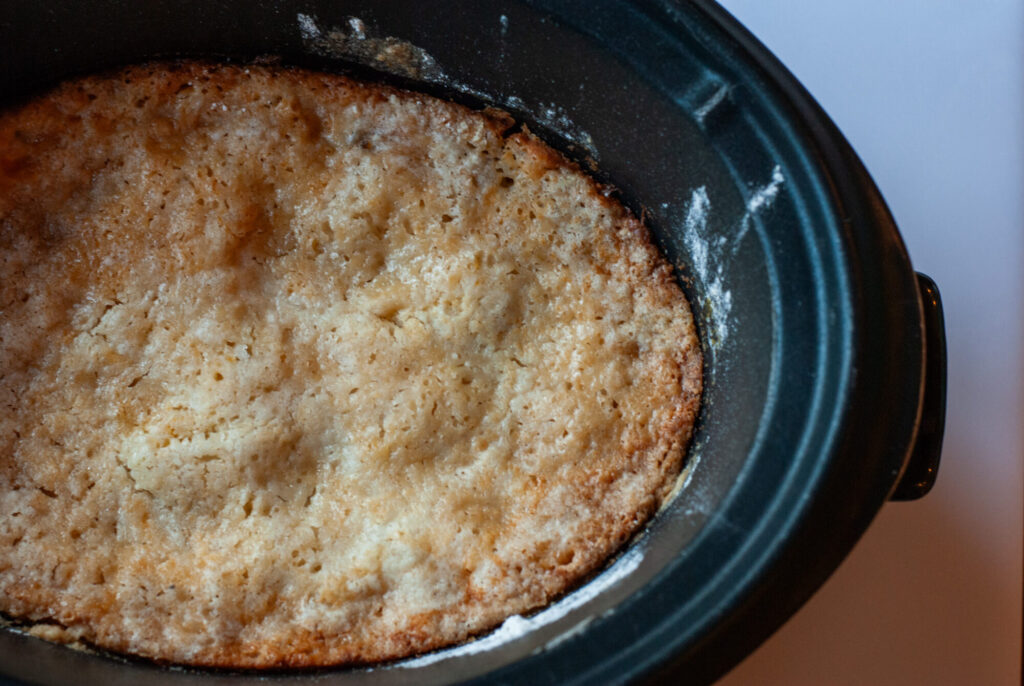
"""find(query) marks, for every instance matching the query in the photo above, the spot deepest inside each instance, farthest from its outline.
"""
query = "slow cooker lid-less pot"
(824, 364)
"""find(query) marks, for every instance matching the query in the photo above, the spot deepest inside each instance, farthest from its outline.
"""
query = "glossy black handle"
(923, 465)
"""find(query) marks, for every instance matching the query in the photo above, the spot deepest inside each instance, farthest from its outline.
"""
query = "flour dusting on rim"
(704, 260)
(308, 27)
(708, 252)
(760, 199)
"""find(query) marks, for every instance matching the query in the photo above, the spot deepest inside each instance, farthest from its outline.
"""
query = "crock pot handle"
(923, 465)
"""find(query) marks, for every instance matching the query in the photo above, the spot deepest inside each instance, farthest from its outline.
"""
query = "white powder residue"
(357, 27)
(707, 265)
(761, 199)
(695, 226)
(308, 27)
(514, 102)
(502, 35)
(708, 253)
(555, 118)
(517, 626)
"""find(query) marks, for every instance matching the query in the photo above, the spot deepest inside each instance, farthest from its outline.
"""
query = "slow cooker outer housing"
(825, 374)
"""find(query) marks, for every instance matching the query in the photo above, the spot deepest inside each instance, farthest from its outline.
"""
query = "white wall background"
(931, 95)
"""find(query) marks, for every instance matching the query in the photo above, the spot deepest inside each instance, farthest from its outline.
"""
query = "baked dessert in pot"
(297, 370)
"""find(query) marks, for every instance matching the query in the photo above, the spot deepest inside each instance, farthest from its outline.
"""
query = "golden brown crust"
(301, 371)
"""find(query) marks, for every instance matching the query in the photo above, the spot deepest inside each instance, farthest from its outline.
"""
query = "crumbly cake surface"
(299, 371)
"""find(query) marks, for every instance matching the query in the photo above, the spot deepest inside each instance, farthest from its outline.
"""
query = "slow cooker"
(824, 350)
